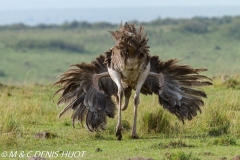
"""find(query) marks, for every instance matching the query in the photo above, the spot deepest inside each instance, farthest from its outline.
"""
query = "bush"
(181, 156)
(157, 122)
(218, 123)
(76, 24)
(45, 26)
(49, 45)
(225, 141)
(18, 26)
(103, 25)
(232, 83)
(234, 30)
(2, 73)
(194, 26)
(167, 21)
(10, 125)
(219, 130)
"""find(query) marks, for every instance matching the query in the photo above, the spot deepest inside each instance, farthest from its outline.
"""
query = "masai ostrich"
(127, 66)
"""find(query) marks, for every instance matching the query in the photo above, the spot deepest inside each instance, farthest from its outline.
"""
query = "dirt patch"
(236, 157)
(44, 135)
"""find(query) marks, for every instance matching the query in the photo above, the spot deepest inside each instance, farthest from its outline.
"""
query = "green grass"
(29, 55)
(28, 110)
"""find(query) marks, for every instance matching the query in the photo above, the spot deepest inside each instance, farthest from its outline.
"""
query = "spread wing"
(181, 94)
(87, 102)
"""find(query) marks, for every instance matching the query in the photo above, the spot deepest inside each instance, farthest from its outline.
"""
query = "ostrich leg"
(127, 95)
(141, 79)
(116, 77)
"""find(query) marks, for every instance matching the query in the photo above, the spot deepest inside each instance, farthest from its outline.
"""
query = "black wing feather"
(87, 102)
(181, 94)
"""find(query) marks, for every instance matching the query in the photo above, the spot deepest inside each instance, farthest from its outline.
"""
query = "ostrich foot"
(135, 136)
(119, 132)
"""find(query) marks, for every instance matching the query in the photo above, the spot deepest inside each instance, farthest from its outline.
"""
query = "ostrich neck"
(130, 72)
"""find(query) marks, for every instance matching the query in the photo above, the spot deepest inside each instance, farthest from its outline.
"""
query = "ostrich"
(88, 88)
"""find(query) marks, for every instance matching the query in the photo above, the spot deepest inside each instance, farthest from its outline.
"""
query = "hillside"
(39, 53)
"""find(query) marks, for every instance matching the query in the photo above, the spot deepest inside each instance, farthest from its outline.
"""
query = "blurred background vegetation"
(39, 53)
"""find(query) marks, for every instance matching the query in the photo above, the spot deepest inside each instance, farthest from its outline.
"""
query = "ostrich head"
(131, 42)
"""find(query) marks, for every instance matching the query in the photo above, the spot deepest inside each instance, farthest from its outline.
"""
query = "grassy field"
(40, 54)
(32, 57)
(27, 112)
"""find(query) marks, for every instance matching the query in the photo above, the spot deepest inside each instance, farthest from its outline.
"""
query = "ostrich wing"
(179, 93)
(88, 103)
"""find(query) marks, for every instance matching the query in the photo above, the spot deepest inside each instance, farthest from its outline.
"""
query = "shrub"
(126, 125)
(234, 30)
(181, 156)
(167, 21)
(232, 83)
(194, 27)
(225, 141)
(157, 122)
(2, 73)
(10, 125)
(50, 45)
(103, 25)
(218, 123)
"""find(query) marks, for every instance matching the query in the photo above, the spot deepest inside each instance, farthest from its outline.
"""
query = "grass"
(29, 119)
(39, 55)
(28, 110)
